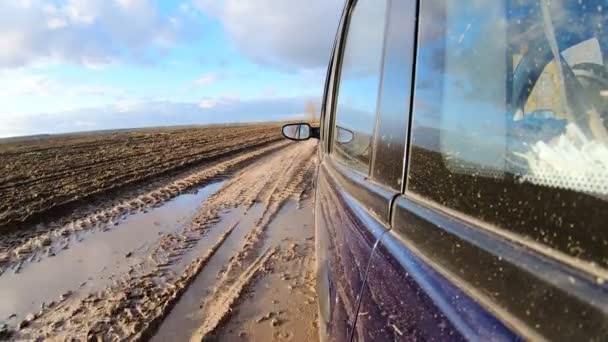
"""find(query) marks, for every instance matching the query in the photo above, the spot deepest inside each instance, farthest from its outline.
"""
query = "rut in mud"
(142, 294)
(16, 248)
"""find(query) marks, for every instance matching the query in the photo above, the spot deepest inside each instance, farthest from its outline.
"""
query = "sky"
(77, 65)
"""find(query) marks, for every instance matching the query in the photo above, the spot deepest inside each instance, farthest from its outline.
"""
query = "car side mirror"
(299, 131)
(343, 135)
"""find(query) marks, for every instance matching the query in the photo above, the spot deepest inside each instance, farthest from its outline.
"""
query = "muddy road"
(219, 250)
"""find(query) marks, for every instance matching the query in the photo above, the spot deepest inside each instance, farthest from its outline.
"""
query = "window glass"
(396, 87)
(358, 85)
(511, 118)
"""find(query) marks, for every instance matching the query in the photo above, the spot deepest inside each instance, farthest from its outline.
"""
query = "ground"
(219, 246)
(42, 174)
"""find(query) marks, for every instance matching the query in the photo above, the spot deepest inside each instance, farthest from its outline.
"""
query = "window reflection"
(358, 84)
(394, 106)
(511, 117)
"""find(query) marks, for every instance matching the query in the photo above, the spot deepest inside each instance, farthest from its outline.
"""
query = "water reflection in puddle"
(185, 316)
(92, 263)
(292, 222)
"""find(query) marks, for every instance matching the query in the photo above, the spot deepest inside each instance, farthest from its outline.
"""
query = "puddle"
(291, 222)
(99, 256)
(185, 317)
(284, 294)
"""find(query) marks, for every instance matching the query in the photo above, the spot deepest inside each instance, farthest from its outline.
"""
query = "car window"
(394, 106)
(358, 85)
(510, 118)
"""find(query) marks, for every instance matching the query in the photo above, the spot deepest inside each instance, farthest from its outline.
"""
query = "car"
(462, 190)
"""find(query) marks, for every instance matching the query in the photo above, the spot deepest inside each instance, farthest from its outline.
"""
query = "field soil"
(204, 234)
(40, 175)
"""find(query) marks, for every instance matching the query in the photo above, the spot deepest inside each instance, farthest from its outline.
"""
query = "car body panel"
(345, 237)
(497, 270)
(407, 299)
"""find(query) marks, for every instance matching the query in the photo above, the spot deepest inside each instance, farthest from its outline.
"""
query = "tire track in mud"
(274, 183)
(14, 254)
(280, 303)
(134, 305)
(227, 299)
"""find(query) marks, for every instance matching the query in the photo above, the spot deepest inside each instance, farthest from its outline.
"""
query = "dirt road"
(220, 251)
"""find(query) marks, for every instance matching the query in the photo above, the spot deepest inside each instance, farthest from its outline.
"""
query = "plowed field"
(41, 175)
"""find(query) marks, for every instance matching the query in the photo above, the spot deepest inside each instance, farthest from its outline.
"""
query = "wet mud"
(281, 304)
(96, 256)
(150, 253)
(19, 248)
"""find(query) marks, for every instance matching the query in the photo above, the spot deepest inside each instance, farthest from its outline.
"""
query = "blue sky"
(70, 65)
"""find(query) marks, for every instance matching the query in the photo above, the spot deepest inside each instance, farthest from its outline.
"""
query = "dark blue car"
(463, 187)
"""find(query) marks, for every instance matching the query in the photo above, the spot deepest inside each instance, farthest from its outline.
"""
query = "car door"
(496, 235)
(351, 210)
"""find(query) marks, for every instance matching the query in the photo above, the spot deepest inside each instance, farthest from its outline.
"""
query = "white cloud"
(208, 103)
(14, 84)
(131, 3)
(92, 32)
(213, 102)
(29, 92)
(208, 79)
(184, 6)
(283, 33)
(56, 23)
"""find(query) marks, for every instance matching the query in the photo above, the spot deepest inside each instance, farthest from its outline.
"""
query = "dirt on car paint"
(245, 256)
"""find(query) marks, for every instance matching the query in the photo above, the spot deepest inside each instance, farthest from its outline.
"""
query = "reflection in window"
(577, 158)
(394, 105)
(511, 118)
(358, 85)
